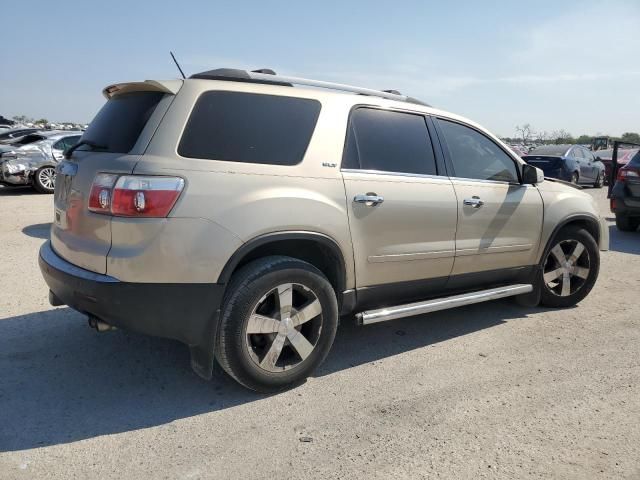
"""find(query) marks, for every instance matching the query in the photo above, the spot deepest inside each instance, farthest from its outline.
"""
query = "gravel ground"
(486, 391)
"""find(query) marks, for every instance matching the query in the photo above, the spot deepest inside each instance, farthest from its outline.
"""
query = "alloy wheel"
(47, 178)
(566, 268)
(284, 327)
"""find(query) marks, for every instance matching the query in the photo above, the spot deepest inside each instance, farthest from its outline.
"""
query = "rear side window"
(389, 142)
(120, 121)
(250, 128)
(473, 155)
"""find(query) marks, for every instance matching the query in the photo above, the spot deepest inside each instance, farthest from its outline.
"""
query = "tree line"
(526, 134)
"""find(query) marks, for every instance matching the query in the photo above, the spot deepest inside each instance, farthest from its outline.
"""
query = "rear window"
(27, 139)
(120, 121)
(635, 160)
(251, 128)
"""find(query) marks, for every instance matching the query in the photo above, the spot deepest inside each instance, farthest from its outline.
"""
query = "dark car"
(606, 157)
(625, 195)
(572, 163)
(14, 134)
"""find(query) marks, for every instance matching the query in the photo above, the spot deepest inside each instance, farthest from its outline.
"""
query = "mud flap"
(203, 354)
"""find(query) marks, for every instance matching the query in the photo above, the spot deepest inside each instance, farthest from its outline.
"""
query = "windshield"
(120, 121)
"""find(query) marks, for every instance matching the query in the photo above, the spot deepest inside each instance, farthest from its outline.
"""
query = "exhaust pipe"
(99, 325)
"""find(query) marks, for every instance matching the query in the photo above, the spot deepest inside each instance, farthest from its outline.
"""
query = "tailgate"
(78, 235)
(117, 138)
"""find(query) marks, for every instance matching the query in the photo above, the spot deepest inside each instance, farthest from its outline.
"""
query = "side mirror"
(531, 174)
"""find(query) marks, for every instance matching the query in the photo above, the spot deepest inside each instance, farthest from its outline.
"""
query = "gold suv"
(243, 213)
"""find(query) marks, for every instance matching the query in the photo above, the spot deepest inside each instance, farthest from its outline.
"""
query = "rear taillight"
(100, 196)
(625, 173)
(134, 195)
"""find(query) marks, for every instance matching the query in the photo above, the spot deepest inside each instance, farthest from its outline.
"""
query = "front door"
(402, 214)
(499, 219)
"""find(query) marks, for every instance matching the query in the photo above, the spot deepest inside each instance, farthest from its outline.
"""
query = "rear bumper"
(624, 203)
(184, 312)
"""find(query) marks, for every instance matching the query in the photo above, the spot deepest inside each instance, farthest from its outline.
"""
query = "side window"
(249, 127)
(389, 142)
(475, 156)
(71, 141)
(59, 145)
(576, 152)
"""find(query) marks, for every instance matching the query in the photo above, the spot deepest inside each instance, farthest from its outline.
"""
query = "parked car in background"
(572, 163)
(625, 195)
(14, 134)
(606, 157)
(32, 160)
(519, 150)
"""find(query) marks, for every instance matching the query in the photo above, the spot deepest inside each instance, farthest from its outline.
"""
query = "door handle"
(474, 202)
(369, 199)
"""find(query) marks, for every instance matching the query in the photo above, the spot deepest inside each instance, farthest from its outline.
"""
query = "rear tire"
(44, 180)
(575, 178)
(599, 181)
(278, 322)
(626, 223)
(569, 269)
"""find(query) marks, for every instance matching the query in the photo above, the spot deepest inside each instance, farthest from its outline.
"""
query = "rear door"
(402, 214)
(499, 219)
(121, 131)
(583, 164)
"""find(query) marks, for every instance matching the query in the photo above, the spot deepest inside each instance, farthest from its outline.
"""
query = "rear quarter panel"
(248, 200)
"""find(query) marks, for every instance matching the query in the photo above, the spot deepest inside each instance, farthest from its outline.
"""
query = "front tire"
(570, 268)
(278, 322)
(44, 180)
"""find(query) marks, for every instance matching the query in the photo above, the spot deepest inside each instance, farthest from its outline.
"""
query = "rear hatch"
(549, 165)
(117, 137)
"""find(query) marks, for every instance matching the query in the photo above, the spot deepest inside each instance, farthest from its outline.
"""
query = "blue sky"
(569, 65)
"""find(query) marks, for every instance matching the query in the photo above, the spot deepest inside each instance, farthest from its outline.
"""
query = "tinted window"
(475, 156)
(247, 127)
(59, 145)
(635, 160)
(69, 142)
(119, 122)
(389, 142)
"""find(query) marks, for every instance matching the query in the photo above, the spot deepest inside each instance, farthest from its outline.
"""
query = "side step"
(428, 306)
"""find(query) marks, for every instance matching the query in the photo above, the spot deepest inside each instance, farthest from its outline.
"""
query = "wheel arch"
(315, 248)
(590, 224)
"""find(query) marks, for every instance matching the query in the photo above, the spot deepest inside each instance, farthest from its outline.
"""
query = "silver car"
(32, 160)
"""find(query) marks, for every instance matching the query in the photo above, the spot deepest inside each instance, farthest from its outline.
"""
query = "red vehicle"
(606, 156)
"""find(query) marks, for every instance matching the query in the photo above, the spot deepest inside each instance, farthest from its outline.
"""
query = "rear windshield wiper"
(92, 144)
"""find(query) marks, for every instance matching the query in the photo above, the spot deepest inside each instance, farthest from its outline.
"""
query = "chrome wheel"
(284, 327)
(47, 178)
(566, 268)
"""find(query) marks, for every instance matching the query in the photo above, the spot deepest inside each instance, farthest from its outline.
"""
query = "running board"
(428, 306)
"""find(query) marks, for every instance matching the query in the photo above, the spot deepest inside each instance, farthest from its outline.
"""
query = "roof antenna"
(177, 64)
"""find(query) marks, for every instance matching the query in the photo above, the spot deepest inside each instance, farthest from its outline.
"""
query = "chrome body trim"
(428, 306)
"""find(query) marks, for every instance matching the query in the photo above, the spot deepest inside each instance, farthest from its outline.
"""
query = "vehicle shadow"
(16, 191)
(38, 230)
(625, 242)
(62, 382)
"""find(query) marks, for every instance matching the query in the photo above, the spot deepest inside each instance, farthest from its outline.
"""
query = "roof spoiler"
(166, 86)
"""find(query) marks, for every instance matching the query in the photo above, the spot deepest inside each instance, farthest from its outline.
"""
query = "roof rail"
(265, 76)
